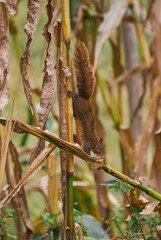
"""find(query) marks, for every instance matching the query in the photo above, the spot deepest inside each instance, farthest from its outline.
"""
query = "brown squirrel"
(85, 134)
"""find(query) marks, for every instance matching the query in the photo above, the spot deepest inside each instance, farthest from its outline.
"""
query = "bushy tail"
(84, 73)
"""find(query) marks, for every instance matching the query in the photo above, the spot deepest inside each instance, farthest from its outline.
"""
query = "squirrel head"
(99, 146)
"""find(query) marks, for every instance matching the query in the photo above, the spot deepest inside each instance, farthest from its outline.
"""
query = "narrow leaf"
(4, 55)
(5, 134)
(48, 80)
(34, 168)
(156, 164)
(21, 194)
(34, 9)
(140, 153)
(11, 6)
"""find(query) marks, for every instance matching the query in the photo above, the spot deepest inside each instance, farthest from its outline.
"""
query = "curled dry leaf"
(34, 168)
(11, 6)
(4, 54)
(21, 194)
(151, 208)
(5, 135)
(155, 20)
(156, 164)
(80, 231)
(36, 150)
(140, 152)
(111, 21)
(48, 80)
(15, 201)
(32, 21)
(137, 199)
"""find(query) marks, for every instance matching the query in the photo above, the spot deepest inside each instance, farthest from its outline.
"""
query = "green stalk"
(70, 204)
(55, 234)
(132, 182)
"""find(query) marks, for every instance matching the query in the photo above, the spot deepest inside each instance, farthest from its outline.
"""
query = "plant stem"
(55, 234)
(69, 116)
(120, 231)
(132, 182)
(70, 203)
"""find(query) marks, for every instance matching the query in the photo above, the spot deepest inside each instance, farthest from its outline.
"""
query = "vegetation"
(47, 191)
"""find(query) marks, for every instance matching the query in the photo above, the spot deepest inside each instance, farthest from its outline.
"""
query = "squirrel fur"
(85, 134)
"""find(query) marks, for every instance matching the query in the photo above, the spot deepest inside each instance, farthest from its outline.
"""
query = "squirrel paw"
(69, 93)
(95, 159)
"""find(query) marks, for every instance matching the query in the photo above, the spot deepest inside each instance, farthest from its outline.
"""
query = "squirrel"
(82, 110)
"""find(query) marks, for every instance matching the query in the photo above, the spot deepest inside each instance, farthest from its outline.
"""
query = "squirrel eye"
(101, 148)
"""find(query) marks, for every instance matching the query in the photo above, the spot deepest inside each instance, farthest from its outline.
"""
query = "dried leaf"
(15, 201)
(127, 143)
(126, 139)
(140, 154)
(155, 19)
(150, 208)
(53, 138)
(156, 164)
(111, 21)
(4, 92)
(5, 134)
(4, 54)
(11, 6)
(48, 80)
(36, 150)
(80, 231)
(137, 199)
(21, 194)
(34, 9)
(34, 168)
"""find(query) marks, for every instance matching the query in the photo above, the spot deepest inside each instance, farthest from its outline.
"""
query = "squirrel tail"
(84, 73)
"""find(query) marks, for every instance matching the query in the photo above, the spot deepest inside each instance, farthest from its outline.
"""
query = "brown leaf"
(4, 54)
(15, 201)
(34, 9)
(156, 164)
(150, 208)
(4, 92)
(127, 143)
(21, 194)
(36, 150)
(34, 168)
(48, 80)
(137, 199)
(155, 20)
(11, 6)
(140, 154)
(111, 21)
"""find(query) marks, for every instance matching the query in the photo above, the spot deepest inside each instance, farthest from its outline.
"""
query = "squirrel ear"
(101, 140)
